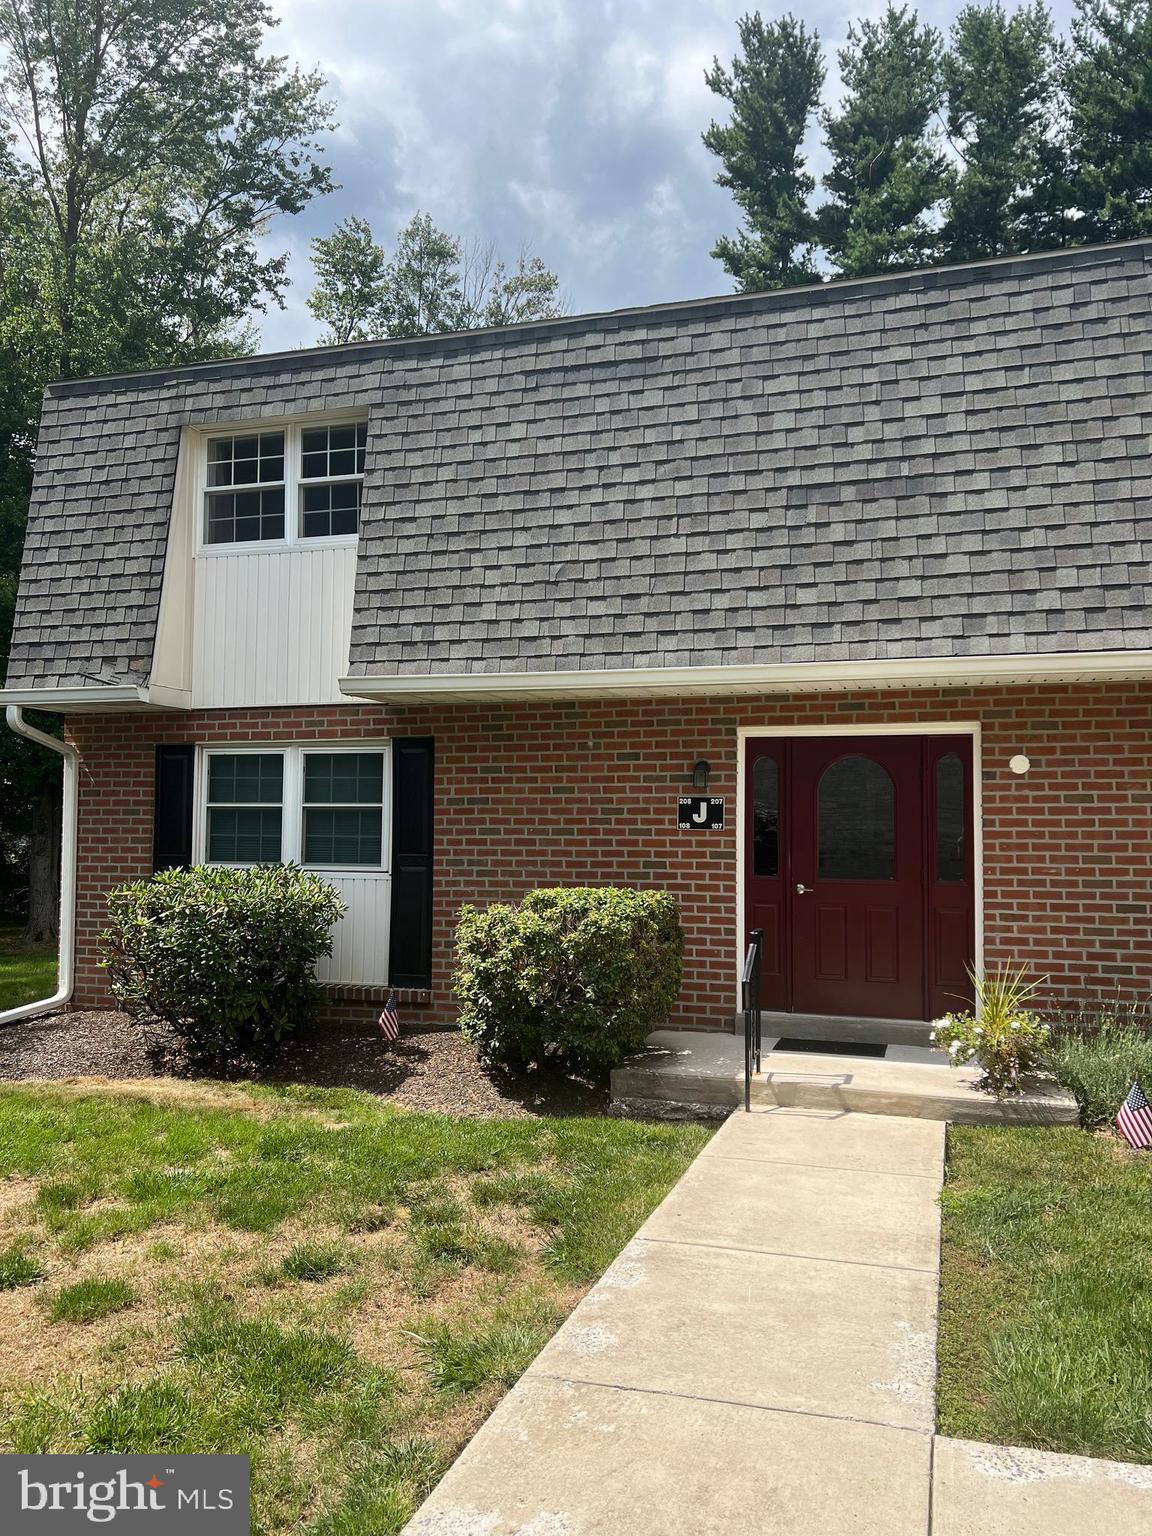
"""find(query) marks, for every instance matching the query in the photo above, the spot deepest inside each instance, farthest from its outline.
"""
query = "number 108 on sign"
(700, 813)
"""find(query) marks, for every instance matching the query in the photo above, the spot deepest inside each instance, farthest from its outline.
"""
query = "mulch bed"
(433, 1070)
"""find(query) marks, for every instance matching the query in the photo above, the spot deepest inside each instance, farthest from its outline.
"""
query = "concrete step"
(685, 1075)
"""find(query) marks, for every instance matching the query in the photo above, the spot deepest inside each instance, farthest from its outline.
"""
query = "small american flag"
(1135, 1118)
(389, 1020)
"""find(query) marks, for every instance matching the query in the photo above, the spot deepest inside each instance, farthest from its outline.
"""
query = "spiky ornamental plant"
(1004, 1037)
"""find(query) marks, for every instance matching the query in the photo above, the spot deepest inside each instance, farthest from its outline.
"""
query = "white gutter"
(788, 677)
(66, 967)
(96, 697)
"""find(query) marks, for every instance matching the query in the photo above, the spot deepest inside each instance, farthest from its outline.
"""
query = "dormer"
(265, 526)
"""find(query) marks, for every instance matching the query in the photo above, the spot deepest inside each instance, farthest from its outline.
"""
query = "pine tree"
(773, 87)
(1109, 88)
(888, 175)
(1001, 81)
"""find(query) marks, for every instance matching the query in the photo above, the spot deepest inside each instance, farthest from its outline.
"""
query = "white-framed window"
(283, 484)
(324, 806)
(244, 813)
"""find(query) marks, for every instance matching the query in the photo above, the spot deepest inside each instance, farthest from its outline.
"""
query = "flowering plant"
(1004, 1038)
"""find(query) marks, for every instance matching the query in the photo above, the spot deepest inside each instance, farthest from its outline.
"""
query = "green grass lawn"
(27, 971)
(339, 1289)
(1046, 1292)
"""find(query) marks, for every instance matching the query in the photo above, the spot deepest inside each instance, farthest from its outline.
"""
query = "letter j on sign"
(700, 813)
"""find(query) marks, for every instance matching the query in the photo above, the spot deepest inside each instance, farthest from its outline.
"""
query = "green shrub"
(224, 956)
(576, 974)
(1097, 1055)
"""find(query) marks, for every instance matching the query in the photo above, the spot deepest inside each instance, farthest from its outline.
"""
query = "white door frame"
(918, 728)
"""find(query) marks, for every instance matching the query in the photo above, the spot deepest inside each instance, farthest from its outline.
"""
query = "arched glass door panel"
(856, 821)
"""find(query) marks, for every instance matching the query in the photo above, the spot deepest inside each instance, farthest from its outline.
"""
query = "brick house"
(823, 609)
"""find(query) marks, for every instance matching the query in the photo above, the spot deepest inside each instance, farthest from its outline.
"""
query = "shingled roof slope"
(937, 463)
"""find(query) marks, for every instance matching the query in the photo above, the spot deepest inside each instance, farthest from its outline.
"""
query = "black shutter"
(172, 826)
(410, 951)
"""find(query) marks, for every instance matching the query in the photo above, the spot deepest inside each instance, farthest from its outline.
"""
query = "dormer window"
(295, 484)
(245, 489)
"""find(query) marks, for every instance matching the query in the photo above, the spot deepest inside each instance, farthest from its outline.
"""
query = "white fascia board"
(75, 701)
(790, 677)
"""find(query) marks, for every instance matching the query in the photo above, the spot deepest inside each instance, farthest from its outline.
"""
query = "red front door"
(858, 871)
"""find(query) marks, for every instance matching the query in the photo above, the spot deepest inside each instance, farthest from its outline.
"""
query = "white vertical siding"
(272, 626)
(360, 939)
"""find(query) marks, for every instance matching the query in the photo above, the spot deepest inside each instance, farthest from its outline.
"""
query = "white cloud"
(570, 125)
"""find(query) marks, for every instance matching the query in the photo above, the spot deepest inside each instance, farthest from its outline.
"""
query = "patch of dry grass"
(341, 1291)
(191, 1093)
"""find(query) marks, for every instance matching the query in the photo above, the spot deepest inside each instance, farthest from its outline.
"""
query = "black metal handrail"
(750, 1002)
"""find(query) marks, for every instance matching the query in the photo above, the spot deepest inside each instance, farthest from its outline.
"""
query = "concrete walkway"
(761, 1357)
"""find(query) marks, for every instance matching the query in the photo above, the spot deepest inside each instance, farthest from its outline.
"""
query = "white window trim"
(293, 427)
(292, 826)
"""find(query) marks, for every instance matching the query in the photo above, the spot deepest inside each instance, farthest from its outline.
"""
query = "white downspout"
(66, 968)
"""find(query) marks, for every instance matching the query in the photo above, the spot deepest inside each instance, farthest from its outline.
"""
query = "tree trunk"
(44, 866)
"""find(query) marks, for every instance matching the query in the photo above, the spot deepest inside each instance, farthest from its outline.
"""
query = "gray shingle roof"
(945, 462)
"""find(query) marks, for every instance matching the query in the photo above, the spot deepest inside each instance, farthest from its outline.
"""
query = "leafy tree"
(1109, 88)
(161, 140)
(1001, 81)
(423, 291)
(431, 283)
(27, 781)
(498, 294)
(773, 88)
(156, 139)
(888, 175)
(351, 280)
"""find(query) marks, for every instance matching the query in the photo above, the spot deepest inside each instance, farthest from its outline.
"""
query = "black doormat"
(832, 1047)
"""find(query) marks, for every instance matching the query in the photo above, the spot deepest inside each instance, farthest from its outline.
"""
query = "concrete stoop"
(684, 1075)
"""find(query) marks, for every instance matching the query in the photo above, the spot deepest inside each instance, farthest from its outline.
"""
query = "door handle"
(803, 890)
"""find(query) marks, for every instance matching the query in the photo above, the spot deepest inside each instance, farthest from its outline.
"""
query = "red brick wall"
(532, 794)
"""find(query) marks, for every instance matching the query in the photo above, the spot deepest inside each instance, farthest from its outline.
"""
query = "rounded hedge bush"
(577, 975)
(224, 956)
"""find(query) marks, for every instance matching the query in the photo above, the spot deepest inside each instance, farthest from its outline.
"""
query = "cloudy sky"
(572, 126)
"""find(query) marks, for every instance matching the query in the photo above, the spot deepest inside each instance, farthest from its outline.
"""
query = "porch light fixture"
(1019, 763)
(701, 773)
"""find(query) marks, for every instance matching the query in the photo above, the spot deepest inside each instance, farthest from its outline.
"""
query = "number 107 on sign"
(700, 813)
